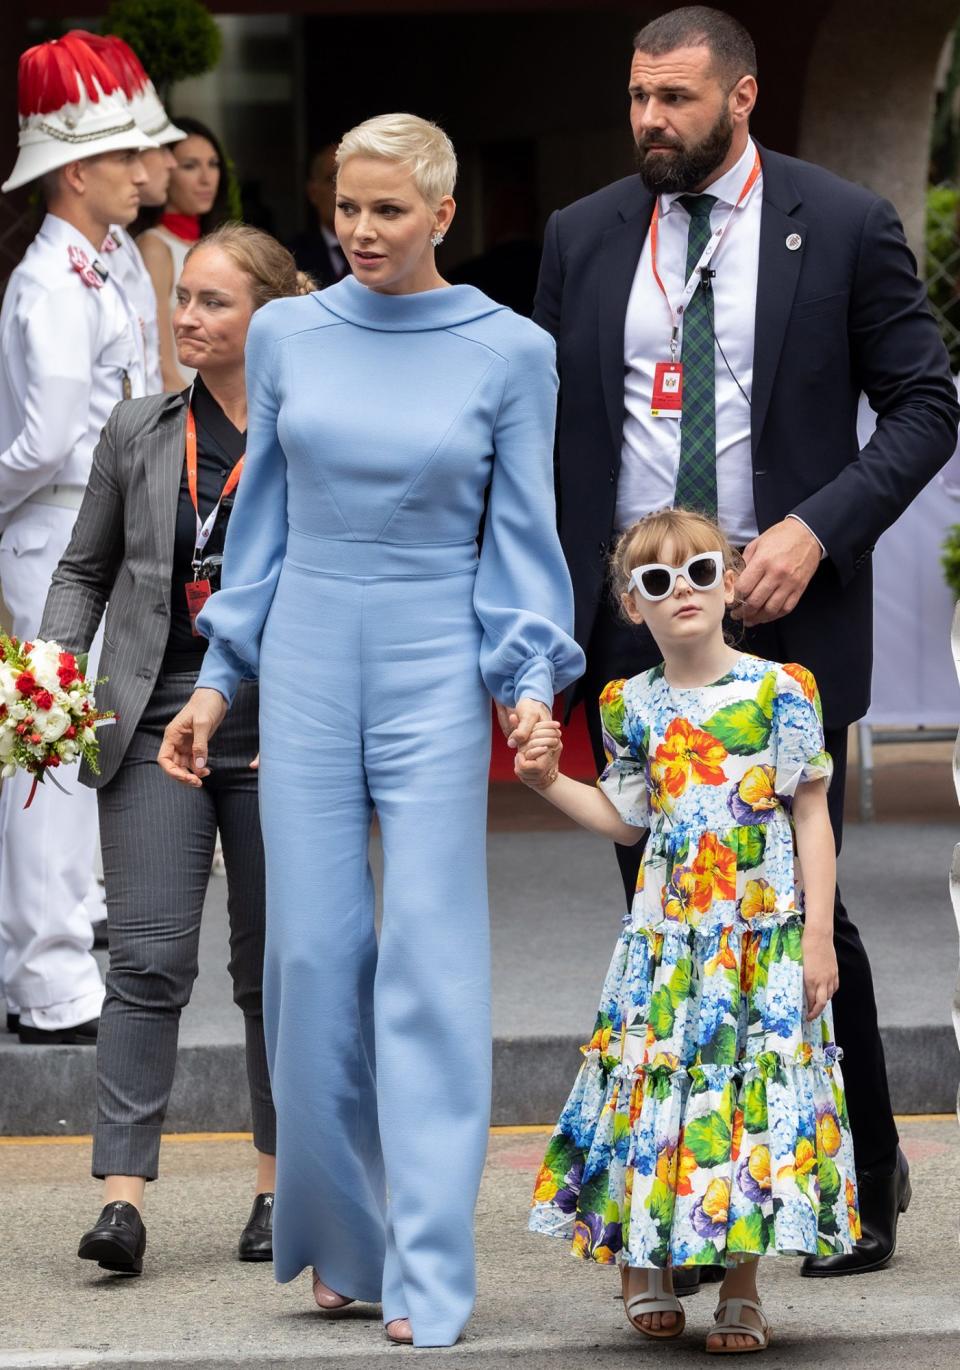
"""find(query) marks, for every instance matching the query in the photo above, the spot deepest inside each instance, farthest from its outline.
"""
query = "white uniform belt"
(61, 496)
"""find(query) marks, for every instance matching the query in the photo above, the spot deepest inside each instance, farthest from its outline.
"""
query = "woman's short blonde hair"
(415, 142)
(644, 541)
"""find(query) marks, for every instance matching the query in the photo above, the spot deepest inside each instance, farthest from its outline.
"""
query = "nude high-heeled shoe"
(326, 1298)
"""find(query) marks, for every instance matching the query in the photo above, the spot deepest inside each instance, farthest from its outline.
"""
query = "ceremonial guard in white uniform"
(71, 347)
(120, 253)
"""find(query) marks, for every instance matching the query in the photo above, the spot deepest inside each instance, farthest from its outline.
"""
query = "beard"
(683, 168)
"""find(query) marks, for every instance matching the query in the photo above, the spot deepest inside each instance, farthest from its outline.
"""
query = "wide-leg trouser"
(371, 699)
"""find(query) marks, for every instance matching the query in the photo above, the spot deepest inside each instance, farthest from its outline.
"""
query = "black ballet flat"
(256, 1239)
(117, 1241)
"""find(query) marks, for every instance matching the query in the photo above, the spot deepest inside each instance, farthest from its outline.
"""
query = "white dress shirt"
(65, 349)
(650, 455)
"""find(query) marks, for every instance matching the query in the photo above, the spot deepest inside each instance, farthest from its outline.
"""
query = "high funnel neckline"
(424, 311)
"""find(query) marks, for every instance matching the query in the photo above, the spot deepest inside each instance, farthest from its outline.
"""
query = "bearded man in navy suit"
(807, 295)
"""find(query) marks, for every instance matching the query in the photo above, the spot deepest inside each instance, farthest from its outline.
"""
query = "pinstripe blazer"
(120, 560)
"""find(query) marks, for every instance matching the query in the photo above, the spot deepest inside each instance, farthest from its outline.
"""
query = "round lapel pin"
(794, 241)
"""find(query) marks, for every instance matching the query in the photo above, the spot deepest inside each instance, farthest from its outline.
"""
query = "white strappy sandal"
(654, 1299)
(729, 1318)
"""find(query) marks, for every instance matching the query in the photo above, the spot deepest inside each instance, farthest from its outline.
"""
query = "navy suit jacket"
(842, 314)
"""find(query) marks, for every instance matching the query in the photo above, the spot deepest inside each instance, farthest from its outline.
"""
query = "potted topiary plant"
(173, 38)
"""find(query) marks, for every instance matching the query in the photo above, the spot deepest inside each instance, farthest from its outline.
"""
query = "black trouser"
(619, 649)
(158, 841)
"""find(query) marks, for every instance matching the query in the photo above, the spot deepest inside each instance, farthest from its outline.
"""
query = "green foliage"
(950, 559)
(755, 1106)
(749, 843)
(943, 264)
(173, 38)
(742, 727)
(709, 1139)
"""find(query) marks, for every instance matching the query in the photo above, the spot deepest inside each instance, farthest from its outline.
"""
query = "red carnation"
(52, 760)
(21, 728)
(35, 738)
(43, 699)
(71, 731)
(28, 647)
(26, 683)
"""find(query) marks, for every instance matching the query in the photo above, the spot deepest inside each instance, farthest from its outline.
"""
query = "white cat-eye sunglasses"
(655, 581)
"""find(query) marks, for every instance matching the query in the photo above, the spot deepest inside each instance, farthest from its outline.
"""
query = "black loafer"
(882, 1199)
(256, 1239)
(83, 1035)
(117, 1241)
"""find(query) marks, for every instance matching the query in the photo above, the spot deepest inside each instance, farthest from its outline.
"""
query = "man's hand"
(186, 741)
(517, 723)
(779, 565)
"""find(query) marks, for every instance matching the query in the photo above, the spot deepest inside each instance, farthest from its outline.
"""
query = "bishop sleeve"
(523, 595)
(256, 540)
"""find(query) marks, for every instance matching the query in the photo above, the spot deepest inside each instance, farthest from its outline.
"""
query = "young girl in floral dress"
(707, 1125)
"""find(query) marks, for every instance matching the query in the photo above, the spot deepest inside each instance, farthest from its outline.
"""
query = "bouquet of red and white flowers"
(48, 715)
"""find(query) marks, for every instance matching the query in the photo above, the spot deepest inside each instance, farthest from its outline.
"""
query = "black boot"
(256, 1239)
(882, 1199)
(118, 1240)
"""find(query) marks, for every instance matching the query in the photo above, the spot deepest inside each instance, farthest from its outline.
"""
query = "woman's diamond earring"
(436, 240)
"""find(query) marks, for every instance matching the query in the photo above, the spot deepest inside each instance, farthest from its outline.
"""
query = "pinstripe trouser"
(158, 842)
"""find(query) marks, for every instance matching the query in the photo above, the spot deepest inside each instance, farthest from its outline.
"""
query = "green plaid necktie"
(697, 476)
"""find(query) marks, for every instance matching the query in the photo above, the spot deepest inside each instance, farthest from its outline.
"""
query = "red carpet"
(577, 756)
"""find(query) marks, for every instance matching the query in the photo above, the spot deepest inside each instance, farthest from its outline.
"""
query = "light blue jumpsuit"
(352, 585)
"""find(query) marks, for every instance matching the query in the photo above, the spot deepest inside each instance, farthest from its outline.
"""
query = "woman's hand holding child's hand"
(536, 763)
(821, 977)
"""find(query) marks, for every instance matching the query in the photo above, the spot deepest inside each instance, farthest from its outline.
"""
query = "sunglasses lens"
(655, 581)
(703, 572)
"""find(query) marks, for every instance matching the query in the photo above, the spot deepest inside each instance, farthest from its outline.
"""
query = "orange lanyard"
(205, 526)
(707, 255)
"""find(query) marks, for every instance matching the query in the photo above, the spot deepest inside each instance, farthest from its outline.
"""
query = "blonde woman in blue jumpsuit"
(382, 416)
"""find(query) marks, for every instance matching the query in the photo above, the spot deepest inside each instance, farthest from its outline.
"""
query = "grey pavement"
(196, 1308)
(556, 902)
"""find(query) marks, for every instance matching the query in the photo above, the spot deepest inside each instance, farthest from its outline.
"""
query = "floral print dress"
(708, 1119)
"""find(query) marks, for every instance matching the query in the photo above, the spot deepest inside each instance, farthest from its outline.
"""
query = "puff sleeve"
(256, 538)
(798, 731)
(523, 596)
(625, 742)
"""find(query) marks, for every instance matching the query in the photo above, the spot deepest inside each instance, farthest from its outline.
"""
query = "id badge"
(667, 399)
(198, 592)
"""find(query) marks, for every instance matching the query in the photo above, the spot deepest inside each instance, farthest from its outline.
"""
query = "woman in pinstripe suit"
(157, 504)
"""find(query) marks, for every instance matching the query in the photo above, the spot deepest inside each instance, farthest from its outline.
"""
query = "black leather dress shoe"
(118, 1240)
(256, 1239)
(13, 1022)
(83, 1035)
(882, 1199)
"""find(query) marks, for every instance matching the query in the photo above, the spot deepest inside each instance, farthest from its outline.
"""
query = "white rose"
(44, 663)
(88, 735)
(51, 724)
(8, 771)
(8, 687)
(8, 739)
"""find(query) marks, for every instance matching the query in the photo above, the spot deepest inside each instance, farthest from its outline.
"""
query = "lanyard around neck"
(716, 237)
(205, 526)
